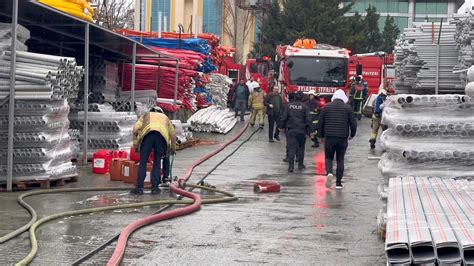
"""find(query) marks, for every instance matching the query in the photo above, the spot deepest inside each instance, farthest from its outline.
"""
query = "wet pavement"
(303, 224)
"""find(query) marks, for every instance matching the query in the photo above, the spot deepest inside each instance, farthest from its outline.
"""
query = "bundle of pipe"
(218, 87)
(420, 224)
(103, 80)
(107, 130)
(147, 97)
(464, 36)
(162, 80)
(428, 133)
(40, 76)
(212, 119)
(6, 37)
(182, 132)
(416, 60)
(42, 148)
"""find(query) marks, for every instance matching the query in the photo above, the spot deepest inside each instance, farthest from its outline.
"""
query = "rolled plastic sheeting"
(212, 119)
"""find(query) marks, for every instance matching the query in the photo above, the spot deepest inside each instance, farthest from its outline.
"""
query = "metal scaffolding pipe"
(134, 61)
(86, 91)
(11, 103)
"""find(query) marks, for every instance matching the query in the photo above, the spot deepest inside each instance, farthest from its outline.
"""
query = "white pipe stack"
(103, 80)
(415, 60)
(40, 76)
(428, 135)
(108, 129)
(43, 85)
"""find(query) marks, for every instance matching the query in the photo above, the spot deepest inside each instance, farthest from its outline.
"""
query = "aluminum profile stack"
(428, 135)
(464, 36)
(6, 37)
(103, 81)
(429, 220)
(108, 130)
(415, 63)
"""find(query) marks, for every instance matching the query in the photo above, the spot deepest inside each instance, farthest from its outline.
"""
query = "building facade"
(236, 27)
(406, 12)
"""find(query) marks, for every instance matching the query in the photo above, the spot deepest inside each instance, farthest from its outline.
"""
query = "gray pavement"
(303, 224)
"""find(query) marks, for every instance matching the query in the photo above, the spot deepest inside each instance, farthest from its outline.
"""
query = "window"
(420, 7)
(392, 6)
(317, 71)
(431, 8)
(402, 23)
(381, 6)
(162, 6)
(211, 17)
(403, 6)
(442, 8)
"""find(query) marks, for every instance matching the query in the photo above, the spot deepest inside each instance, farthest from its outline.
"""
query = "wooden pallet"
(32, 184)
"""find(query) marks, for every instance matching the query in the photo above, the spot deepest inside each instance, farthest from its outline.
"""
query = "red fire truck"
(374, 65)
(322, 68)
(261, 69)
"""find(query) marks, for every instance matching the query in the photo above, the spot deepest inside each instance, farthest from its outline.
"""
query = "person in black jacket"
(274, 103)
(335, 122)
(291, 98)
(295, 119)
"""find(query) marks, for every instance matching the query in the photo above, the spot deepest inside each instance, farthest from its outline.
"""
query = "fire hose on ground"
(33, 224)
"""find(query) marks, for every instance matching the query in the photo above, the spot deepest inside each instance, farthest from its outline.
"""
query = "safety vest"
(157, 122)
(358, 91)
(256, 100)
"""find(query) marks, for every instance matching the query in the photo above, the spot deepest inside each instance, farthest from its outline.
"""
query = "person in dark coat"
(240, 99)
(230, 94)
(274, 104)
(291, 98)
(295, 120)
(337, 123)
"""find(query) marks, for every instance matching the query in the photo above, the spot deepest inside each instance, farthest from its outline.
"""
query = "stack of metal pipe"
(464, 36)
(429, 134)
(42, 148)
(146, 97)
(6, 37)
(429, 220)
(108, 130)
(416, 60)
(103, 80)
(41, 77)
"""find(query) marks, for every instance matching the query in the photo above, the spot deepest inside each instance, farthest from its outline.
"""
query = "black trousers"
(272, 128)
(338, 146)
(296, 140)
(155, 142)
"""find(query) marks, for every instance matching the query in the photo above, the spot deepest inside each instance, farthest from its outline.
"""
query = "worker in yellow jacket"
(153, 131)
(256, 103)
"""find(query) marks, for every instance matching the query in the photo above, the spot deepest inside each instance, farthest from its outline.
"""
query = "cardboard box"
(115, 170)
(129, 171)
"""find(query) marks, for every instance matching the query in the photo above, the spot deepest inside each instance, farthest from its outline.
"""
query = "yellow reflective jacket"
(256, 100)
(154, 122)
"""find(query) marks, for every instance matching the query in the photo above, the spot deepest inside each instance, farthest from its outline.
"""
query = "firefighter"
(377, 114)
(358, 95)
(256, 103)
(152, 132)
(295, 119)
(314, 109)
